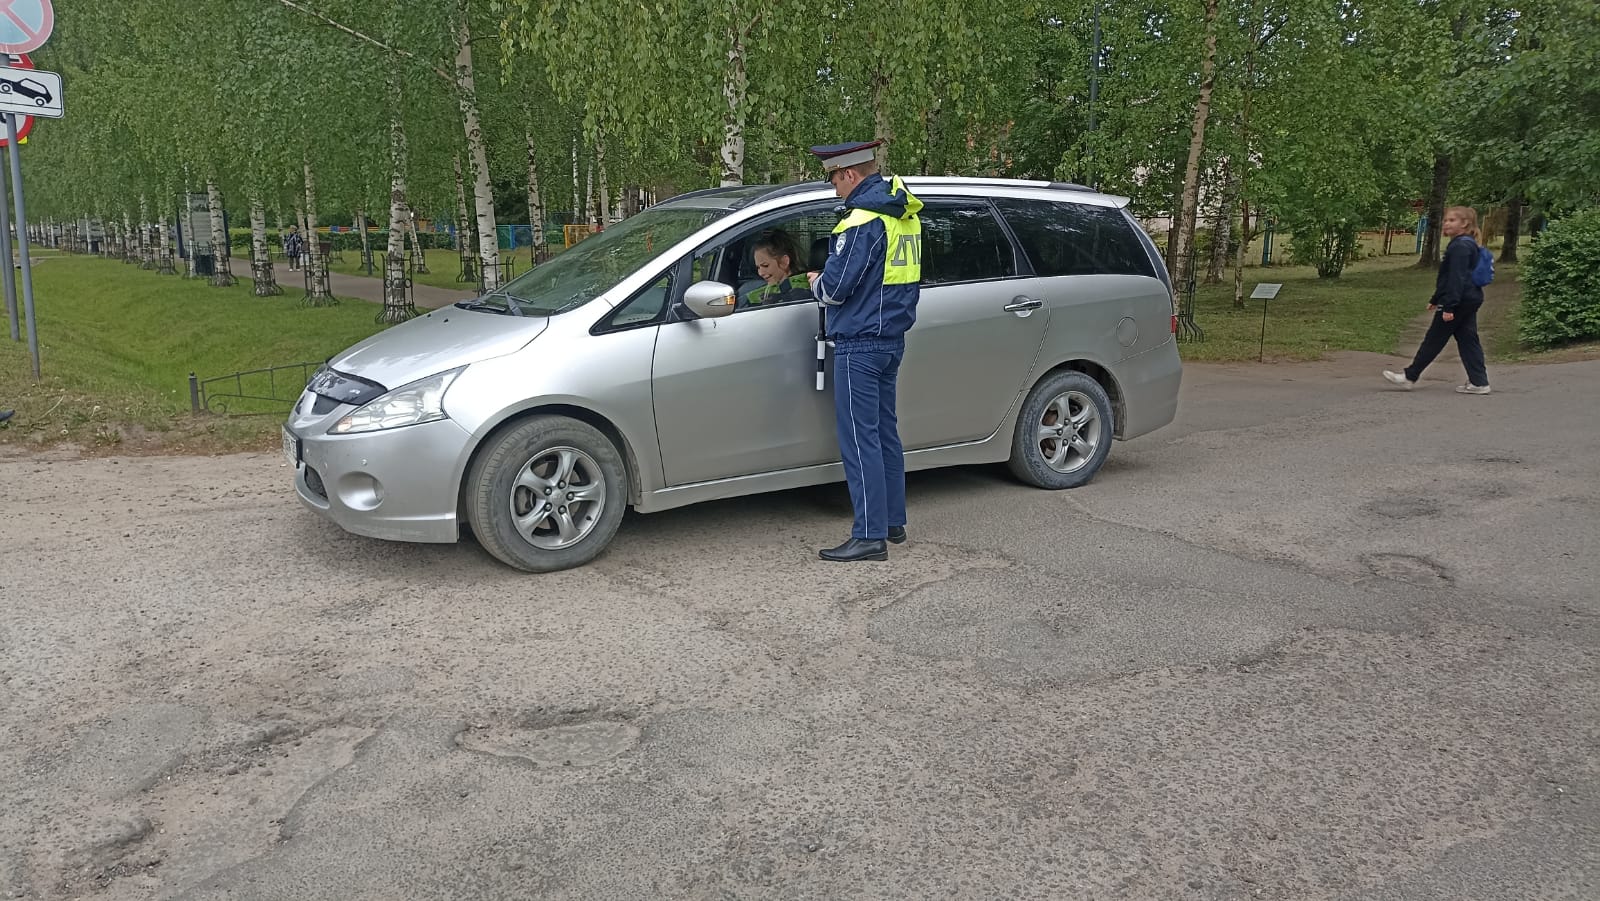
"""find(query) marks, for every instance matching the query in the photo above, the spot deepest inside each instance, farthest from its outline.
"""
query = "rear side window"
(962, 242)
(1074, 238)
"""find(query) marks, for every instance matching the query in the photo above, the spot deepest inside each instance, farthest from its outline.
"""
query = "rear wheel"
(547, 494)
(1064, 431)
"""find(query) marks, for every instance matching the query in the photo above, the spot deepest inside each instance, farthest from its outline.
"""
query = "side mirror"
(709, 300)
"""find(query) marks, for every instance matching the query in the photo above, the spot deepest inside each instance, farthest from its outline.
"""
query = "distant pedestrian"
(293, 247)
(1455, 303)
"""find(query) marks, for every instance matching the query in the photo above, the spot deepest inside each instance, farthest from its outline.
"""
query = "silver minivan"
(631, 370)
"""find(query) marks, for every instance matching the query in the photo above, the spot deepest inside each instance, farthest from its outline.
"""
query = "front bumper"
(398, 484)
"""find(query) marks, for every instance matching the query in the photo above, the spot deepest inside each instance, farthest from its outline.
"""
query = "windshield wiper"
(510, 307)
(484, 306)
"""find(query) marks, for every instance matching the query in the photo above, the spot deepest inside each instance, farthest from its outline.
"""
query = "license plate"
(291, 448)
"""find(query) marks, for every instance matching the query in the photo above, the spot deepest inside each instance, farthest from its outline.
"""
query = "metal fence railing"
(253, 392)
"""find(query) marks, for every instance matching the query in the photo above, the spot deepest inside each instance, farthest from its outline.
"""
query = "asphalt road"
(1320, 639)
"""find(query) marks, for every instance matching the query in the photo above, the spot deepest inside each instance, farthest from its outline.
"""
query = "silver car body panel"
(719, 408)
(432, 343)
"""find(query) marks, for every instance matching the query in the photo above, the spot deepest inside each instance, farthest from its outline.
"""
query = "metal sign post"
(1266, 292)
(25, 92)
(22, 242)
(8, 278)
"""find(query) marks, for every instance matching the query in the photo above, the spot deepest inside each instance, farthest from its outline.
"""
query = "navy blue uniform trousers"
(1464, 328)
(869, 436)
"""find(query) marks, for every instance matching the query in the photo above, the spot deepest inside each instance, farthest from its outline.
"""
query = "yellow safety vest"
(902, 264)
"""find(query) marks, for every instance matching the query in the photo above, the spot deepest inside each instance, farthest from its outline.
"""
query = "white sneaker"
(1472, 389)
(1399, 378)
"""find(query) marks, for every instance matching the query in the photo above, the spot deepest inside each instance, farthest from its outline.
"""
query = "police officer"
(869, 288)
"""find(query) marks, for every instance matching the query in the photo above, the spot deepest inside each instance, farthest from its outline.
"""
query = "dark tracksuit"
(867, 323)
(1455, 293)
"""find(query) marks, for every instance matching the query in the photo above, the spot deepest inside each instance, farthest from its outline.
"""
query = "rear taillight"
(1174, 323)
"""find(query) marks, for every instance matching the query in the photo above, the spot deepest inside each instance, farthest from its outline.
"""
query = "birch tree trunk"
(145, 261)
(419, 257)
(463, 242)
(221, 274)
(882, 122)
(320, 293)
(266, 282)
(129, 255)
(603, 199)
(478, 156)
(735, 88)
(164, 247)
(1221, 225)
(366, 241)
(577, 184)
(398, 208)
(1244, 195)
(1181, 264)
(588, 197)
(535, 203)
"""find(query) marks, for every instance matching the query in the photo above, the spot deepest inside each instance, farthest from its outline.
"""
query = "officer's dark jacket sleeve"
(864, 248)
(1455, 274)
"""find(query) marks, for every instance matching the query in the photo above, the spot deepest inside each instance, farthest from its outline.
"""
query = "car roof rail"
(804, 187)
(799, 187)
(702, 192)
(998, 182)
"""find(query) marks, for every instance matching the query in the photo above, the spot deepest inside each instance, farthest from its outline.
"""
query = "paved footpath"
(360, 287)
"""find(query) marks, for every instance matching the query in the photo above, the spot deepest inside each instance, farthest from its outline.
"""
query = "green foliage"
(1328, 246)
(1561, 283)
(1329, 111)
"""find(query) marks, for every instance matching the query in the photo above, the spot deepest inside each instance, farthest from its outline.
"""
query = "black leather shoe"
(897, 534)
(856, 549)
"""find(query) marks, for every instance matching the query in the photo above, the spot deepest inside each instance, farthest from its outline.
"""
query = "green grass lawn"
(117, 345)
(1364, 309)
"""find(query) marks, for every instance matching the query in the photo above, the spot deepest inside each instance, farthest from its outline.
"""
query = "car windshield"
(585, 270)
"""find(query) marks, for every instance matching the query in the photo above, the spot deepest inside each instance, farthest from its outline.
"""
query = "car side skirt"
(993, 449)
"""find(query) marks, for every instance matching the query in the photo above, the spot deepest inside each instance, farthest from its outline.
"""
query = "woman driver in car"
(775, 255)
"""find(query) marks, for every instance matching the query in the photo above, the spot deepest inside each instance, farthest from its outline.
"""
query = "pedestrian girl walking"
(1457, 296)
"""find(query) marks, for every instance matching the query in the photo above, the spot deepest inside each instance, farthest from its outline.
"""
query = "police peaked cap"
(838, 156)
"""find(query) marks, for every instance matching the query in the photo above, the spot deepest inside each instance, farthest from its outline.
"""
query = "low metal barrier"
(253, 392)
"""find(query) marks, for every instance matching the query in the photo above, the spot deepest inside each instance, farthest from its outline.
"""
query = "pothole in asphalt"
(556, 744)
(1403, 507)
(1407, 568)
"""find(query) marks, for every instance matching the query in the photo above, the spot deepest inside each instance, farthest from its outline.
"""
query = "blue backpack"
(1483, 272)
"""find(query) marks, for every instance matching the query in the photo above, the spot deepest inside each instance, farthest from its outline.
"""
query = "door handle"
(1022, 305)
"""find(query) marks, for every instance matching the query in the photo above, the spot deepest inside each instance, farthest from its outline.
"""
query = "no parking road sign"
(30, 92)
(24, 128)
(25, 24)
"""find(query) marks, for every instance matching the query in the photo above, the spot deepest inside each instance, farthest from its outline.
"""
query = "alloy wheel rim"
(557, 498)
(1069, 432)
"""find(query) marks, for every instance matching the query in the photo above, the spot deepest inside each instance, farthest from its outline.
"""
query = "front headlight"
(413, 404)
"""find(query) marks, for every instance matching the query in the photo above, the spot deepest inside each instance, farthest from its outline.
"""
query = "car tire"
(1055, 449)
(547, 493)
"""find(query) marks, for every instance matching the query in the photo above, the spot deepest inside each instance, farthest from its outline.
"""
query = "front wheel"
(1063, 433)
(547, 494)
